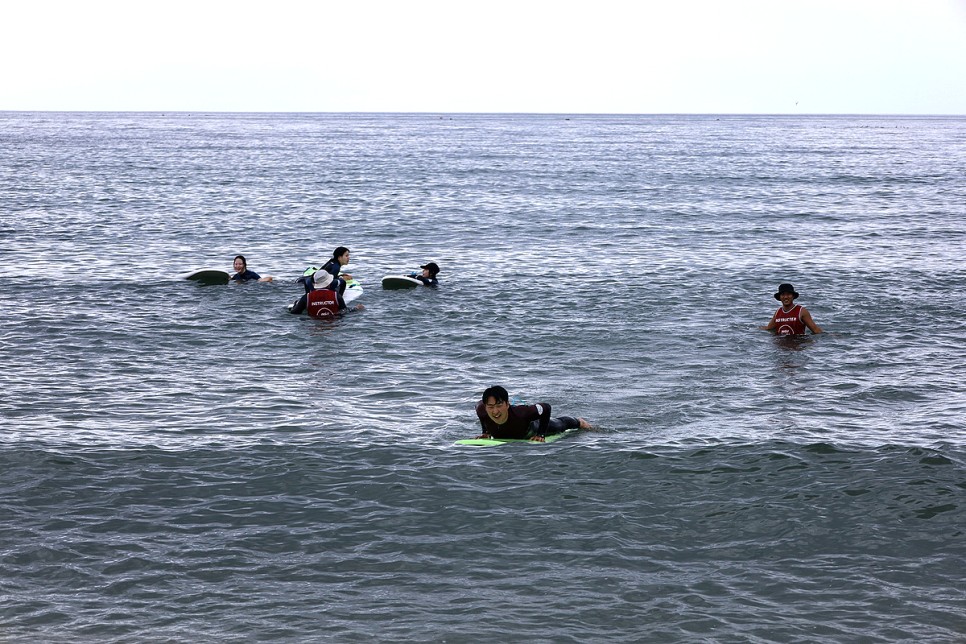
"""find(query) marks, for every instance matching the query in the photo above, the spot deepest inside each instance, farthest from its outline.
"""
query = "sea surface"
(185, 463)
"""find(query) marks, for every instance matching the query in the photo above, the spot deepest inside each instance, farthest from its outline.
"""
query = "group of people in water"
(324, 288)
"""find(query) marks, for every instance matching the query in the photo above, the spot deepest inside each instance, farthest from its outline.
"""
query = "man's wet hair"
(497, 393)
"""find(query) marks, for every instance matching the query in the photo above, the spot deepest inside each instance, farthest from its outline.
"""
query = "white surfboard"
(207, 276)
(396, 282)
(353, 290)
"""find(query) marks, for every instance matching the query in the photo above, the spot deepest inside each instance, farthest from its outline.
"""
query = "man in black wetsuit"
(500, 419)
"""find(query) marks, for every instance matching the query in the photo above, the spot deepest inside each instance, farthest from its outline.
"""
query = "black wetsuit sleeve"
(481, 415)
(544, 419)
(427, 281)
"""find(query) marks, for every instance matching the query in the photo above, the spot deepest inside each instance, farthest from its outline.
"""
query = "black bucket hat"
(431, 267)
(786, 288)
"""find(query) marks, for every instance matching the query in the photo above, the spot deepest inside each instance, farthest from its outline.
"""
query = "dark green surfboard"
(208, 276)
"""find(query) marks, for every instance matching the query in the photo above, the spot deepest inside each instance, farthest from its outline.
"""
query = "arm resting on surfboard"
(544, 422)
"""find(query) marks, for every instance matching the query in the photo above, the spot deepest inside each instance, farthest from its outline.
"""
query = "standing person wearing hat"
(791, 318)
(428, 277)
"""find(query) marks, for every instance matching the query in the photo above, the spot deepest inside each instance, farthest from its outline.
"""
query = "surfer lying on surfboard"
(500, 419)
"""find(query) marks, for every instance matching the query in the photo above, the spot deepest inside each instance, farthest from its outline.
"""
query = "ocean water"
(188, 463)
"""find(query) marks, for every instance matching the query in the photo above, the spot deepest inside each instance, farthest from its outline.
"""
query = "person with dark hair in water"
(428, 276)
(340, 257)
(790, 318)
(242, 274)
(500, 419)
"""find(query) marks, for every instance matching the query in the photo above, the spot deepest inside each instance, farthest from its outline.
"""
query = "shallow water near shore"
(184, 462)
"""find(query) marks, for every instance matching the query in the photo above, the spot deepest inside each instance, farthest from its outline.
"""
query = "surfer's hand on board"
(484, 436)
(538, 439)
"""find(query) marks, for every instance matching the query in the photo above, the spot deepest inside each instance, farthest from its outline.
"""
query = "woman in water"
(242, 274)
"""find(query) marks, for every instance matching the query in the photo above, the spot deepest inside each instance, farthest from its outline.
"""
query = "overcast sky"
(600, 56)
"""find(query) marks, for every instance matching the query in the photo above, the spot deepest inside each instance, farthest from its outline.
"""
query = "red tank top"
(789, 322)
(322, 304)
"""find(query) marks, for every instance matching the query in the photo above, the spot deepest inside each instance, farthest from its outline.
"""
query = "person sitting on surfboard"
(500, 419)
(790, 318)
(428, 277)
(242, 274)
(324, 301)
(340, 257)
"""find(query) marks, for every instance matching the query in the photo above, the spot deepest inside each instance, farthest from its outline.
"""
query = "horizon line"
(474, 113)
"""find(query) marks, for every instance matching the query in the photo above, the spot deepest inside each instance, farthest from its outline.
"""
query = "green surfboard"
(486, 442)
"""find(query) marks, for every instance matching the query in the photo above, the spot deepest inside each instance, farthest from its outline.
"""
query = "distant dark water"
(181, 462)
